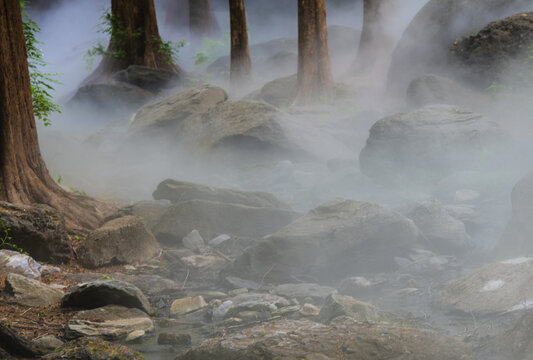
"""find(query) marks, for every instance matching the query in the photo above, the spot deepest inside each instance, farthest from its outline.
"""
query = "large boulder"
(338, 238)
(496, 288)
(496, 53)
(100, 293)
(345, 338)
(125, 240)
(517, 240)
(178, 191)
(38, 230)
(279, 92)
(212, 218)
(427, 144)
(18, 263)
(147, 78)
(31, 292)
(424, 46)
(167, 116)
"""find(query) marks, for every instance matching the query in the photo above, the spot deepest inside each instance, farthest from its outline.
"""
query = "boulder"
(125, 240)
(445, 233)
(496, 53)
(516, 240)
(426, 144)
(345, 338)
(212, 218)
(93, 349)
(187, 305)
(38, 230)
(338, 238)
(99, 293)
(178, 191)
(496, 288)
(148, 78)
(193, 241)
(279, 92)
(427, 40)
(113, 98)
(30, 292)
(150, 210)
(167, 116)
(47, 342)
(341, 305)
(15, 262)
(111, 322)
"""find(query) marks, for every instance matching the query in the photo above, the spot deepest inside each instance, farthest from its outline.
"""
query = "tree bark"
(16, 345)
(241, 65)
(24, 177)
(315, 81)
(371, 35)
(138, 38)
(177, 14)
(201, 19)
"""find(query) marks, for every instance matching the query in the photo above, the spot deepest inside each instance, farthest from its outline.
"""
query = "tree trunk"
(177, 14)
(371, 35)
(315, 81)
(23, 174)
(201, 19)
(16, 345)
(136, 37)
(241, 65)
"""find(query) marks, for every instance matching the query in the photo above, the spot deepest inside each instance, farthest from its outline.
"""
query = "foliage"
(40, 82)
(211, 48)
(169, 49)
(6, 241)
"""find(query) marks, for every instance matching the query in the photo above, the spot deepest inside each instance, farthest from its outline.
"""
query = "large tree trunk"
(201, 19)
(23, 174)
(177, 14)
(137, 38)
(315, 81)
(241, 65)
(372, 38)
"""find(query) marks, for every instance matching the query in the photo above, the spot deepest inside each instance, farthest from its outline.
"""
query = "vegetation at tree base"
(40, 82)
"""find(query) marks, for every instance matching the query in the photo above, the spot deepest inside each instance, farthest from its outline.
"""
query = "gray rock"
(345, 338)
(260, 303)
(150, 210)
(427, 40)
(280, 92)
(444, 233)
(166, 117)
(232, 282)
(338, 238)
(427, 144)
(167, 338)
(180, 191)
(341, 305)
(30, 292)
(148, 78)
(111, 322)
(93, 349)
(496, 288)
(193, 241)
(47, 342)
(212, 218)
(99, 293)
(15, 262)
(304, 290)
(124, 240)
(38, 230)
(187, 305)
(219, 240)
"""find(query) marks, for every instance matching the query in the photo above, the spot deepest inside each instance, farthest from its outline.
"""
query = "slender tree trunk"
(315, 81)
(177, 14)
(371, 35)
(201, 19)
(23, 174)
(241, 65)
(137, 38)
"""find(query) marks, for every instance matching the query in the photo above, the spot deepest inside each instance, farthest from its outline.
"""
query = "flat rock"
(334, 240)
(99, 293)
(31, 292)
(15, 262)
(304, 290)
(187, 305)
(125, 240)
(180, 191)
(38, 230)
(345, 338)
(211, 218)
(496, 288)
(257, 302)
(111, 322)
(337, 305)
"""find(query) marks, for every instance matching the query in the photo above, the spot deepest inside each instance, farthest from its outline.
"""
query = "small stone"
(49, 269)
(193, 241)
(219, 240)
(232, 321)
(167, 338)
(134, 335)
(309, 310)
(47, 342)
(187, 305)
(237, 292)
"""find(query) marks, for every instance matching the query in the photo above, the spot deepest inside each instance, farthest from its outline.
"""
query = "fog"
(94, 149)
